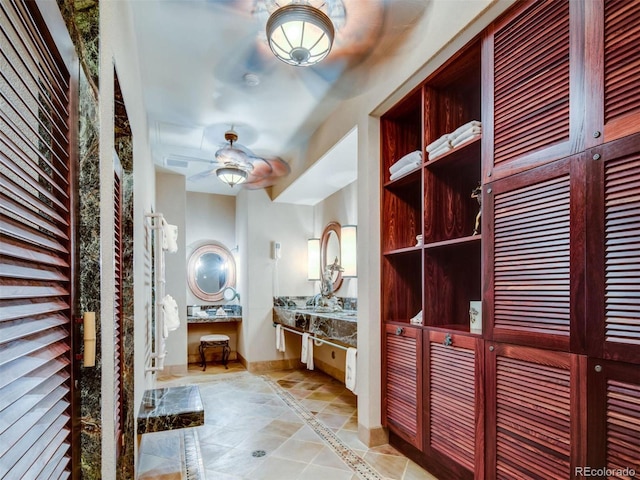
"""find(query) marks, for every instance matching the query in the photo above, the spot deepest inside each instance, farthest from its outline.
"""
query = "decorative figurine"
(327, 301)
(477, 194)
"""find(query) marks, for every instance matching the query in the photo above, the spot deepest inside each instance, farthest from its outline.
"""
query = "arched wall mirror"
(210, 271)
(330, 250)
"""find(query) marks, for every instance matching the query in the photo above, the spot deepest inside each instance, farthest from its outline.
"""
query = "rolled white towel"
(438, 143)
(409, 158)
(171, 315)
(440, 151)
(169, 237)
(350, 375)
(463, 128)
(310, 365)
(406, 169)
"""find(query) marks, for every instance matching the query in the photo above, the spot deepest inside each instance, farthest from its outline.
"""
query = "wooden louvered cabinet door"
(614, 418)
(536, 413)
(612, 65)
(613, 251)
(454, 404)
(534, 264)
(530, 110)
(402, 382)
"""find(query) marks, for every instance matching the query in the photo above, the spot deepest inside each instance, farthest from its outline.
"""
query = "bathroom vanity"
(208, 319)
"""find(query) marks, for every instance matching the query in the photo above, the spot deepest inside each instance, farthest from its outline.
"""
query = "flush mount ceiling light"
(232, 175)
(300, 34)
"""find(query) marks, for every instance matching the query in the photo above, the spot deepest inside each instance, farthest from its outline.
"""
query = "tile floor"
(287, 425)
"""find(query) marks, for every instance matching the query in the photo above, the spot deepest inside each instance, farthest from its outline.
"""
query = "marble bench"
(162, 411)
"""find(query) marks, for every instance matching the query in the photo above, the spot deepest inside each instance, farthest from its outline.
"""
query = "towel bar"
(315, 339)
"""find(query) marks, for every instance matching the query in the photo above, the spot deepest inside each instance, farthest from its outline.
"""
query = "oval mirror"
(330, 251)
(211, 270)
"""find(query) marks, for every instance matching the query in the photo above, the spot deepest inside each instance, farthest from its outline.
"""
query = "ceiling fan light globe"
(231, 175)
(300, 34)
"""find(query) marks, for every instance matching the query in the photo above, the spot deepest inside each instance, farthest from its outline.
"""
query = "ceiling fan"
(235, 164)
(362, 29)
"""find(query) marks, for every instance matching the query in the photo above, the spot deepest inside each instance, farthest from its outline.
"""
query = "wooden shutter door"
(614, 417)
(402, 382)
(535, 407)
(118, 327)
(614, 251)
(535, 255)
(526, 115)
(36, 260)
(455, 420)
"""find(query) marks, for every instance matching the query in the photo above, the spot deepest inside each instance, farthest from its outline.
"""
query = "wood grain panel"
(621, 64)
(532, 408)
(36, 253)
(452, 402)
(622, 250)
(531, 80)
(531, 259)
(402, 382)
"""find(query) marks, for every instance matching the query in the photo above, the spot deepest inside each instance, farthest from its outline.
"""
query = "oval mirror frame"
(195, 277)
(332, 229)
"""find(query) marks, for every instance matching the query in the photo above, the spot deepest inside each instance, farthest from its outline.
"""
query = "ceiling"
(206, 68)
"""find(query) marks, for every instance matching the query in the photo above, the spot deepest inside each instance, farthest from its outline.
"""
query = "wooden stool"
(211, 341)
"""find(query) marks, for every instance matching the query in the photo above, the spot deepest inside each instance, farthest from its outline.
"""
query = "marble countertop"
(340, 326)
(170, 408)
(214, 319)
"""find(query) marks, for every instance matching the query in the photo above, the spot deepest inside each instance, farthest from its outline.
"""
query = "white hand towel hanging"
(305, 347)
(169, 237)
(351, 369)
(171, 315)
(309, 352)
(280, 346)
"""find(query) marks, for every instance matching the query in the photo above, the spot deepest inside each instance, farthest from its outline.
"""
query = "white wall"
(171, 202)
(118, 48)
(259, 222)
(209, 218)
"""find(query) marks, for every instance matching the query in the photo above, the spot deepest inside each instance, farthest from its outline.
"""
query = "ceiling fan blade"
(202, 175)
(261, 169)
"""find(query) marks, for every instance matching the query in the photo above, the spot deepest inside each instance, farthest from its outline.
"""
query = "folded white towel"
(440, 151)
(409, 158)
(351, 369)
(169, 237)
(280, 346)
(466, 139)
(171, 315)
(468, 133)
(438, 143)
(463, 128)
(416, 319)
(406, 169)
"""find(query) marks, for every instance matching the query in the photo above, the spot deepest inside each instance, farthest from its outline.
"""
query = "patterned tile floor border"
(351, 458)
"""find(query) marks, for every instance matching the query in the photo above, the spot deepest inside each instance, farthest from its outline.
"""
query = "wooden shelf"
(454, 242)
(459, 157)
(403, 251)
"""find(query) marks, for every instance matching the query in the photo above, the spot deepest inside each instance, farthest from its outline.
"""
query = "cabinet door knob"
(399, 331)
(447, 340)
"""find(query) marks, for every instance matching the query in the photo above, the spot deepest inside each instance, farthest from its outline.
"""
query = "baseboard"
(330, 370)
(270, 365)
(373, 437)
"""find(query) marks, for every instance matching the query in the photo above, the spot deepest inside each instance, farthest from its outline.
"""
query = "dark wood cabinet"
(402, 385)
(454, 404)
(551, 386)
(536, 412)
(534, 259)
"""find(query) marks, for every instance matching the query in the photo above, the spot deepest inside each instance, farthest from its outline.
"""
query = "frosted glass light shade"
(300, 34)
(348, 252)
(231, 175)
(313, 259)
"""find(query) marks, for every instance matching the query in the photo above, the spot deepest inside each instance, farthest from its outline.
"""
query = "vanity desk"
(198, 325)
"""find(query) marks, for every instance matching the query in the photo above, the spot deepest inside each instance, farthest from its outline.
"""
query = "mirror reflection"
(330, 251)
(211, 270)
